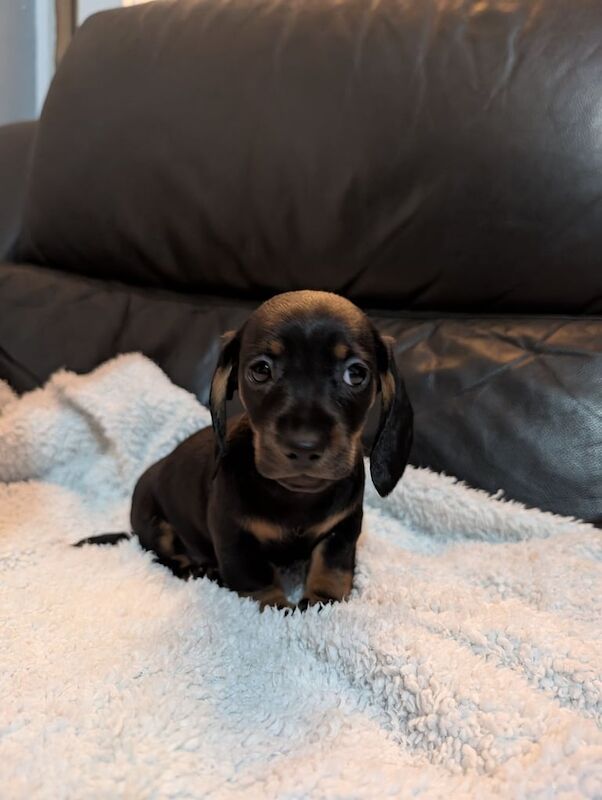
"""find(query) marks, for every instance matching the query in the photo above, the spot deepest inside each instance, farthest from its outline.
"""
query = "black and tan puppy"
(285, 480)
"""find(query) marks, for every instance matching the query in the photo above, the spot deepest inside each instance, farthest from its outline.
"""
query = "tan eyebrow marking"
(275, 347)
(341, 350)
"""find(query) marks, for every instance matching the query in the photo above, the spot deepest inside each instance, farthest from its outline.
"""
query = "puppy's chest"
(293, 532)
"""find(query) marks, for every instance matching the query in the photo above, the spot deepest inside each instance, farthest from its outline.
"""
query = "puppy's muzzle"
(312, 450)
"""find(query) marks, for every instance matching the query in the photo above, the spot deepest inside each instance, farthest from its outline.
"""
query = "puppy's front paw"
(271, 597)
(207, 571)
(281, 604)
(315, 600)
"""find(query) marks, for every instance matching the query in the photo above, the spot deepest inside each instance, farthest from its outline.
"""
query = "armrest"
(15, 149)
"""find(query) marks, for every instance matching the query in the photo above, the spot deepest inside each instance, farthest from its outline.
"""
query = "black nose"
(303, 447)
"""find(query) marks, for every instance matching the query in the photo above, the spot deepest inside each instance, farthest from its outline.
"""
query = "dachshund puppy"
(285, 480)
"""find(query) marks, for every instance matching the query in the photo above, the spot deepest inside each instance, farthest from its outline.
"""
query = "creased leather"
(432, 155)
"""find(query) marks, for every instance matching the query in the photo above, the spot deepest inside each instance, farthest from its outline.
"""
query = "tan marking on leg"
(262, 529)
(165, 545)
(324, 583)
(166, 539)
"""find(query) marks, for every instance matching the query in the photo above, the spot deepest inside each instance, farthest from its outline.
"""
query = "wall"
(27, 42)
(45, 44)
(17, 60)
(87, 7)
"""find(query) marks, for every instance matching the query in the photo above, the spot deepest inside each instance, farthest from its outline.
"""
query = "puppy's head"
(308, 366)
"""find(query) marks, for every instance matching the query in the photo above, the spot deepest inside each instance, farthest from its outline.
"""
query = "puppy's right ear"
(223, 386)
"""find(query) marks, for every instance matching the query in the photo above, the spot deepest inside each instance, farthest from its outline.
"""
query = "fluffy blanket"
(467, 664)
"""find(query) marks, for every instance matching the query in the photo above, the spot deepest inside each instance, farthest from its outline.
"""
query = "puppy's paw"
(270, 597)
(280, 604)
(315, 600)
(207, 571)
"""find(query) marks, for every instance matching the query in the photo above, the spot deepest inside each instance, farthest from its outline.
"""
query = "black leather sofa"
(439, 163)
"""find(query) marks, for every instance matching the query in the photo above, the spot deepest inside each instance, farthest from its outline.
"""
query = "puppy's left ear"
(223, 386)
(393, 441)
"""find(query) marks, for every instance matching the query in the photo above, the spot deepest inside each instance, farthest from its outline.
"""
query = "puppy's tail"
(103, 538)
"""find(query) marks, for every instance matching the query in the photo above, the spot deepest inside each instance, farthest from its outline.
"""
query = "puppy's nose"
(304, 446)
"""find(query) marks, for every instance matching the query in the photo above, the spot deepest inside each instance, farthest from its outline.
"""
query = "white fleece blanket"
(467, 664)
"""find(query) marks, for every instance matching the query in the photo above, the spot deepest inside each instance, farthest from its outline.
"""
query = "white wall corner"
(45, 44)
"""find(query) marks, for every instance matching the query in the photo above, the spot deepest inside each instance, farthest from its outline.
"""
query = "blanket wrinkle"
(466, 664)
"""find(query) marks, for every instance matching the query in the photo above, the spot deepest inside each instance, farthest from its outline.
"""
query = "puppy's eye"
(356, 373)
(260, 371)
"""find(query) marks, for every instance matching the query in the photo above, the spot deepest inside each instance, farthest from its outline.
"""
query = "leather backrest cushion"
(429, 154)
(16, 144)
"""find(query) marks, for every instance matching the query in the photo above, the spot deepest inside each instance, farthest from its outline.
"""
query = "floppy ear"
(391, 447)
(223, 385)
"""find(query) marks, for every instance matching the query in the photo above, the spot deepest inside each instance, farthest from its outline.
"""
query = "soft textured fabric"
(467, 663)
